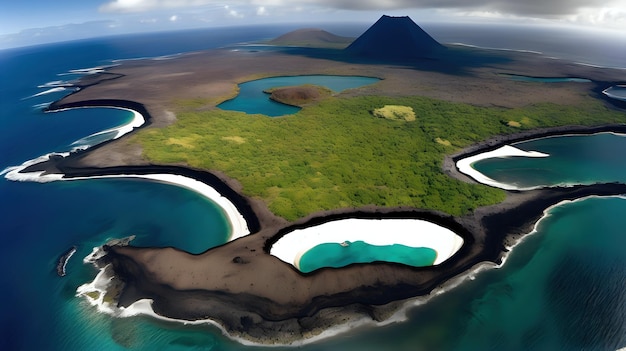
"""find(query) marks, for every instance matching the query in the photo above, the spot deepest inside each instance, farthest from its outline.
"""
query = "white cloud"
(612, 17)
(233, 12)
(173, 18)
(598, 12)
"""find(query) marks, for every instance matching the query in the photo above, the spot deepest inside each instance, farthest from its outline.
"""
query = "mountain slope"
(311, 37)
(395, 38)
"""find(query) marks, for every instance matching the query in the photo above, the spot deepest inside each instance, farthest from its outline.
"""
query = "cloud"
(517, 7)
(232, 12)
(570, 10)
(541, 8)
(173, 18)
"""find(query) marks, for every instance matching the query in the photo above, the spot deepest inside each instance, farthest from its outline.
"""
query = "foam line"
(46, 92)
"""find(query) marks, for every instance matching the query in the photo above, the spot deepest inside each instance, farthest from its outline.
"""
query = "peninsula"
(356, 166)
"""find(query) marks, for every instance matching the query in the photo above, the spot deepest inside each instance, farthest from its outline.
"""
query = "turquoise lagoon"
(251, 98)
(340, 255)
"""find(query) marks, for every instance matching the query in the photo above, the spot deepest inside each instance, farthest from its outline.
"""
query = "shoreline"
(394, 313)
(255, 296)
(464, 165)
(449, 163)
(493, 250)
(545, 215)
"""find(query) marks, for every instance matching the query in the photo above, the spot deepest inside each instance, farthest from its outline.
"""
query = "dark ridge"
(63, 259)
(395, 38)
(311, 37)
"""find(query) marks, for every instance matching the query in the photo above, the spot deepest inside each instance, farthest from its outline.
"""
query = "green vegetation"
(518, 124)
(335, 155)
(514, 124)
(395, 112)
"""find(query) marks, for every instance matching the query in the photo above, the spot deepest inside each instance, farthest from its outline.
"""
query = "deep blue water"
(252, 99)
(562, 288)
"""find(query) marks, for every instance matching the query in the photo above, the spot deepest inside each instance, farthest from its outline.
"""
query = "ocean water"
(561, 288)
(252, 99)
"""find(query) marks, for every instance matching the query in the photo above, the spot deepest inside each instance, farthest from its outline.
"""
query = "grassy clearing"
(395, 112)
(335, 155)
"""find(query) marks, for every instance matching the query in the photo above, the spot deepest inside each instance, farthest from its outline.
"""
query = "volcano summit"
(395, 38)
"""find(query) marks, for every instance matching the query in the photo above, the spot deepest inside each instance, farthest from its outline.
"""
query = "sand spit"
(465, 165)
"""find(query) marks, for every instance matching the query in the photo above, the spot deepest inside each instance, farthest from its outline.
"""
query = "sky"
(31, 21)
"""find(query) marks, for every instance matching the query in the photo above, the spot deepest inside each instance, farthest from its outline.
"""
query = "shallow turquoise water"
(251, 98)
(575, 159)
(337, 255)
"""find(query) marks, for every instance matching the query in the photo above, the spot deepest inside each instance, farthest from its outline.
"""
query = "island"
(335, 160)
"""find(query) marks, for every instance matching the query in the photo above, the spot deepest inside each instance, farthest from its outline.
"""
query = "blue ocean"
(561, 288)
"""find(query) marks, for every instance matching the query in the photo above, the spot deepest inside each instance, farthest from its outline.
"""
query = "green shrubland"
(335, 154)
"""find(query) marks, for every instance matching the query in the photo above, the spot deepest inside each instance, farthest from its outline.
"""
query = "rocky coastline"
(256, 297)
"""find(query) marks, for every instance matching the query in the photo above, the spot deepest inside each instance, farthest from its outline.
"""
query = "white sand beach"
(408, 232)
(465, 165)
